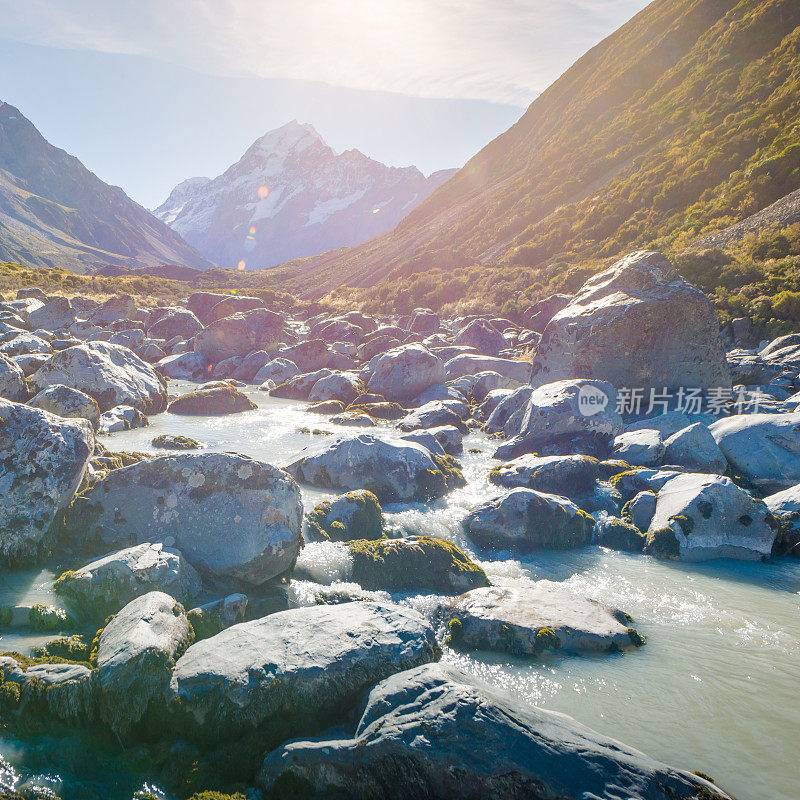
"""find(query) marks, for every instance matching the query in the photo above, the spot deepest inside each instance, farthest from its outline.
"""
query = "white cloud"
(501, 50)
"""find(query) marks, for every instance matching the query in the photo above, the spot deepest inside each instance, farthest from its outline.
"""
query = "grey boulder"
(230, 516)
(435, 732)
(642, 448)
(638, 324)
(240, 334)
(12, 380)
(405, 372)
(64, 401)
(43, 459)
(287, 672)
(696, 449)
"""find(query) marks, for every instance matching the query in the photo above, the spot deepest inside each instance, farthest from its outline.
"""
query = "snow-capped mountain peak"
(291, 195)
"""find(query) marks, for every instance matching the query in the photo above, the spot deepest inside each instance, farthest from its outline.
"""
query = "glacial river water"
(714, 689)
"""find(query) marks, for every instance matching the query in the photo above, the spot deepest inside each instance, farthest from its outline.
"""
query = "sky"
(427, 82)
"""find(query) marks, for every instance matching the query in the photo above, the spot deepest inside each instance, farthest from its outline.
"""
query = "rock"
(131, 339)
(641, 509)
(699, 517)
(540, 313)
(433, 393)
(135, 655)
(785, 507)
(28, 364)
(31, 291)
(638, 324)
(218, 400)
(25, 344)
(670, 423)
(184, 366)
(525, 519)
(168, 441)
(509, 412)
(209, 619)
(300, 386)
(394, 472)
(435, 732)
(353, 418)
(426, 439)
(404, 372)
(326, 407)
(287, 673)
(43, 459)
(763, 448)
(479, 334)
(121, 418)
(250, 366)
(110, 373)
(66, 402)
(230, 516)
(530, 620)
(642, 448)
(175, 322)
(557, 412)
(279, 370)
(470, 364)
(239, 335)
(55, 314)
(201, 303)
(564, 475)
(344, 386)
(64, 691)
(419, 563)
(234, 304)
(309, 356)
(115, 308)
(618, 534)
(226, 368)
(696, 449)
(449, 438)
(424, 321)
(103, 586)
(12, 380)
(432, 415)
(355, 515)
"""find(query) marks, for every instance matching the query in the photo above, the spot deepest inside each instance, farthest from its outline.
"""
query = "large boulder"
(642, 448)
(288, 672)
(135, 655)
(421, 563)
(638, 324)
(64, 401)
(234, 304)
(393, 471)
(694, 447)
(239, 335)
(472, 363)
(43, 459)
(483, 336)
(110, 373)
(230, 516)
(563, 475)
(184, 366)
(562, 411)
(310, 355)
(699, 517)
(435, 732)
(115, 308)
(215, 400)
(355, 515)
(404, 372)
(103, 586)
(201, 303)
(279, 370)
(763, 448)
(175, 322)
(530, 620)
(525, 519)
(55, 314)
(12, 380)
(785, 507)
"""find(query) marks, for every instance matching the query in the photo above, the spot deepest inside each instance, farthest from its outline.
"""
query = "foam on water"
(324, 562)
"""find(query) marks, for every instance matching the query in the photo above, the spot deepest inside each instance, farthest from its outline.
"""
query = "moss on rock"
(418, 562)
(662, 543)
(355, 515)
(175, 442)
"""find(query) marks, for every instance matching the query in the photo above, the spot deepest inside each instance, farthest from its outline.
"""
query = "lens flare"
(263, 192)
(240, 266)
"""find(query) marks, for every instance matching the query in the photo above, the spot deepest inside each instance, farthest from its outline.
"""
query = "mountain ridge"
(289, 195)
(55, 212)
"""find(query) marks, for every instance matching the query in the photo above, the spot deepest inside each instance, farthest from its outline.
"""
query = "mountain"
(289, 196)
(54, 212)
(683, 122)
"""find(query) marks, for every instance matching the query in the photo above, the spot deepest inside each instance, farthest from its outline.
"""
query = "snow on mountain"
(291, 195)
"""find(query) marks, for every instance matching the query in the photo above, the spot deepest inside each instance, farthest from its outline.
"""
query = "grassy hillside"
(683, 122)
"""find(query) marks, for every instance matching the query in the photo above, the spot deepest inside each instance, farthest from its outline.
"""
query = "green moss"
(365, 518)
(72, 648)
(48, 618)
(63, 579)
(419, 563)
(455, 632)
(637, 640)
(212, 795)
(5, 617)
(96, 641)
(175, 442)
(546, 639)
(620, 534)
(9, 696)
(662, 543)
(685, 522)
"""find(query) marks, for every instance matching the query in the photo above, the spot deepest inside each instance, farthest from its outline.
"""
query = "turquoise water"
(714, 689)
